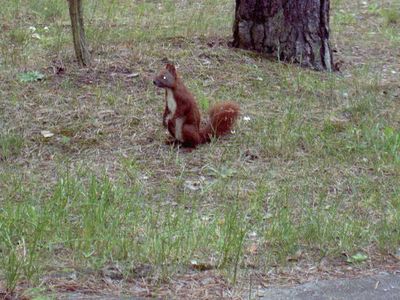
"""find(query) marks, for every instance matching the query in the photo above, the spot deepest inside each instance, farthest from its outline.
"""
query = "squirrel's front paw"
(171, 141)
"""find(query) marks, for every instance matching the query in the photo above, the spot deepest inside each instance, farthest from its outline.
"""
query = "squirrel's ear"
(171, 69)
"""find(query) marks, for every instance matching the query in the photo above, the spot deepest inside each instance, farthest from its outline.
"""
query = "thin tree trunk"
(291, 30)
(78, 32)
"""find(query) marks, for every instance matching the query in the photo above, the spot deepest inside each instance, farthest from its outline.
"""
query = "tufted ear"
(171, 69)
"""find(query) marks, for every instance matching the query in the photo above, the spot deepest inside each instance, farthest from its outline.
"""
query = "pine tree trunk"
(292, 30)
(78, 32)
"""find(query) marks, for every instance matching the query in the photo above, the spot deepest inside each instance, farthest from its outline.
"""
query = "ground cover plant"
(92, 201)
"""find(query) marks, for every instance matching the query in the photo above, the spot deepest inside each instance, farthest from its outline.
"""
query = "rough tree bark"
(78, 32)
(292, 30)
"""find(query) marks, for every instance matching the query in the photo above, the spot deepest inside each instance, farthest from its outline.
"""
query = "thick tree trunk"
(78, 32)
(292, 30)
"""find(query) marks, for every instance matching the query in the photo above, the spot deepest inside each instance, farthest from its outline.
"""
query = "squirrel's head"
(166, 78)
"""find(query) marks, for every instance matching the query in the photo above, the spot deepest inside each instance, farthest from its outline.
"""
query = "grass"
(10, 145)
(310, 174)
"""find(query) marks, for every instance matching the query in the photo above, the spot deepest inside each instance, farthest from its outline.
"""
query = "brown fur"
(183, 123)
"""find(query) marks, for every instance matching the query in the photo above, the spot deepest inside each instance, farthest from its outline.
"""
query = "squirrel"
(182, 116)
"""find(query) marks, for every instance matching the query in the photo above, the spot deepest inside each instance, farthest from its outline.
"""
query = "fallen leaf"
(194, 264)
(357, 258)
(30, 76)
(132, 75)
(46, 133)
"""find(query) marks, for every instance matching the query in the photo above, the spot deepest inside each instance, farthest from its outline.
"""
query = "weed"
(232, 233)
(391, 16)
(10, 145)
(30, 76)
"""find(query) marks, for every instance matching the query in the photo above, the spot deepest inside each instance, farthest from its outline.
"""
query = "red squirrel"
(182, 116)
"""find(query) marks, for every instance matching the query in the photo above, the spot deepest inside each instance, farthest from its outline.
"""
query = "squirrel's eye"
(164, 77)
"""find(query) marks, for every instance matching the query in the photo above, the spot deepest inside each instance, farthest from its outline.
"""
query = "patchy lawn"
(93, 202)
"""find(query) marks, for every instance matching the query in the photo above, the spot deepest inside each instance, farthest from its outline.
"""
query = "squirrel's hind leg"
(191, 136)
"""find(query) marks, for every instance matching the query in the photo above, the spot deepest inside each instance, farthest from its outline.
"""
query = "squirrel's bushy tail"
(222, 117)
